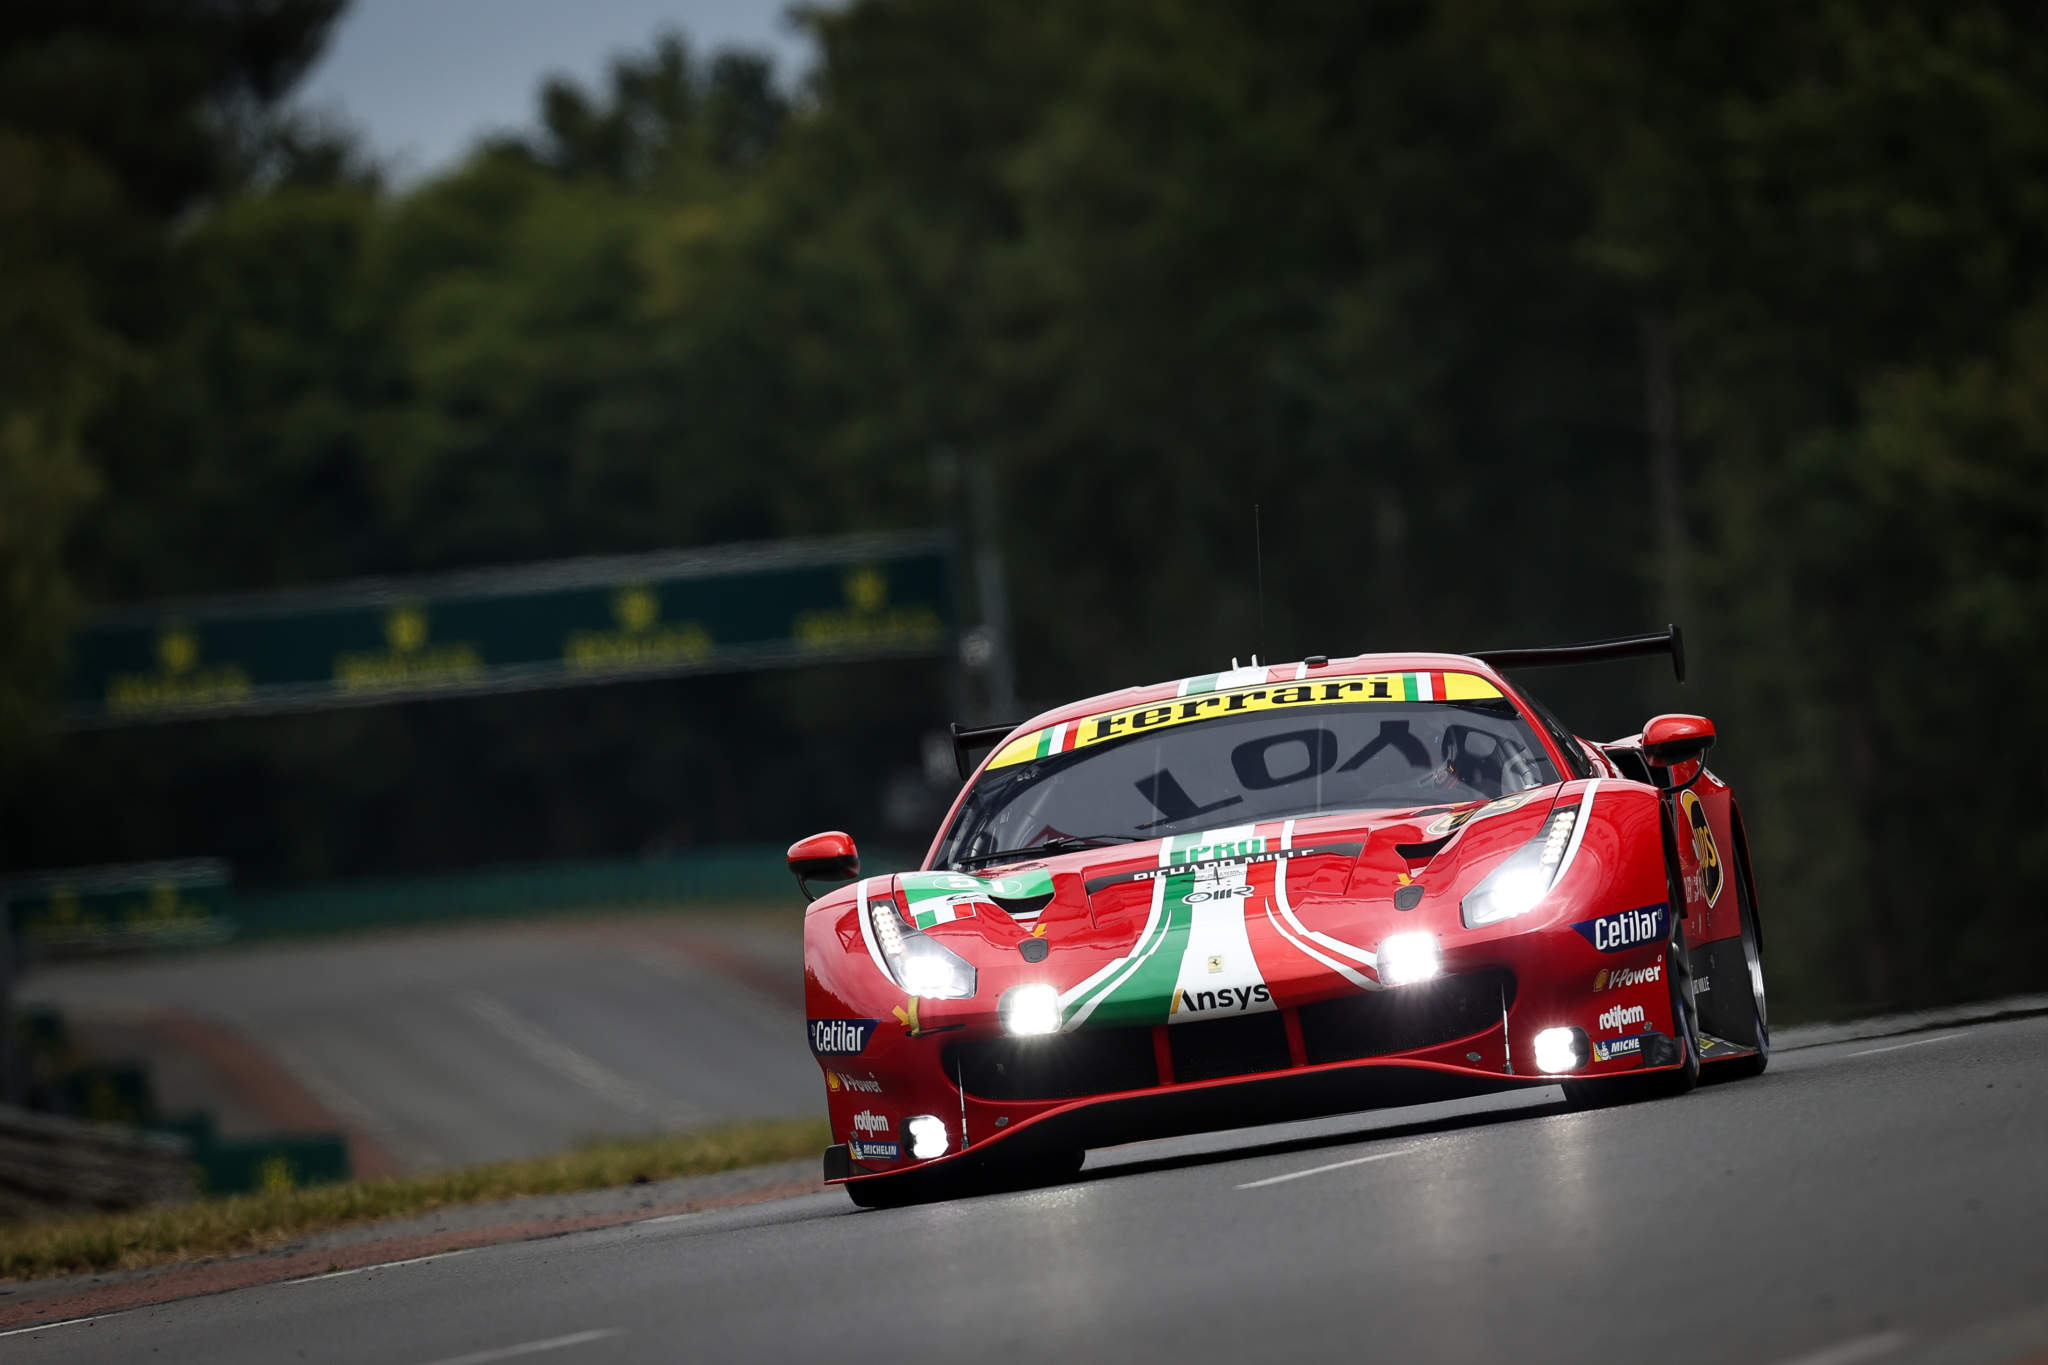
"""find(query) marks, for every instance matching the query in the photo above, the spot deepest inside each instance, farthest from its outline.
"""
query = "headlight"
(1408, 958)
(928, 1136)
(1030, 1010)
(1560, 1049)
(1523, 878)
(921, 966)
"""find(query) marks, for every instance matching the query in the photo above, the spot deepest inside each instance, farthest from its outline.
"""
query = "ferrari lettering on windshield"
(1626, 929)
(1387, 687)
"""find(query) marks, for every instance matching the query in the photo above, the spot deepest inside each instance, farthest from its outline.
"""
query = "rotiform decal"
(1621, 1016)
(869, 1123)
(841, 1037)
(1627, 929)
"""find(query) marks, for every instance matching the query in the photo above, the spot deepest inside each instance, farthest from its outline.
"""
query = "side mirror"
(829, 857)
(1671, 740)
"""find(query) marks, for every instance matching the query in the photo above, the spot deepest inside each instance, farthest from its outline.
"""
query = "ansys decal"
(1193, 959)
(1195, 704)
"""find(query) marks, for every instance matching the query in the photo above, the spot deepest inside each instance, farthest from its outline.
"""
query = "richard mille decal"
(1215, 859)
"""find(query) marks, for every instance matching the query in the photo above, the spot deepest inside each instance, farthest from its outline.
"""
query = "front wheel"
(1738, 1068)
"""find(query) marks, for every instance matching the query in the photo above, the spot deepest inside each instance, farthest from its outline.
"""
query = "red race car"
(1273, 893)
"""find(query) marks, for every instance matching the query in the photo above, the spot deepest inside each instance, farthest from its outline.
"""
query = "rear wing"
(969, 740)
(1668, 640)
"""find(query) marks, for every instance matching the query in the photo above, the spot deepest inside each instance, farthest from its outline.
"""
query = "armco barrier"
(705, 878)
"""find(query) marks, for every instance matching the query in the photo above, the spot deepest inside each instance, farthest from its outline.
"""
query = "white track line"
(1854, 1351)
(1318, 1170)
(1917, 1042)
(389, 1265)
(64, 1322)
(528, 1348)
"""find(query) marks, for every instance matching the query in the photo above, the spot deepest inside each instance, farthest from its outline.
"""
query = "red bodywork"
(1318, 895)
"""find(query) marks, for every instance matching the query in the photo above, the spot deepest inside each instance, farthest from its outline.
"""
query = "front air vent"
(1064, 1066)
(1379, 1023)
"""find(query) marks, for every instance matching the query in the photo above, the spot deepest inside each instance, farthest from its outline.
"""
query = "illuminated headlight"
(1523, 878)
(1560, 1049)
(1408, 958)
(1030, 1010)
(920, 965)
(928, 1136)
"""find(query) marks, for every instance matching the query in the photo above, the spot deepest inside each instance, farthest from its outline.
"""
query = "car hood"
(1227, 921)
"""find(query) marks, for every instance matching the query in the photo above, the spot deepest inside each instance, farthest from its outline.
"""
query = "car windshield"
(1258, 765)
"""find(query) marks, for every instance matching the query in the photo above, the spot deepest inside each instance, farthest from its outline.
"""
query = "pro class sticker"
(1626, 929)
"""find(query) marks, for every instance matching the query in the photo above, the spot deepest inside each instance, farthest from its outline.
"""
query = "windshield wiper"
(1065, 843)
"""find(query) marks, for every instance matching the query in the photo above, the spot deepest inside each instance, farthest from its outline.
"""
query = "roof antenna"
(1259, 568)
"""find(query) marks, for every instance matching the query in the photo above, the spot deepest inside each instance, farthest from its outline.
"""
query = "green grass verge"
(165, 1233)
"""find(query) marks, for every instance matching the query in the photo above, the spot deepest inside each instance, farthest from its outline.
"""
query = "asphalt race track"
(1875, 1200)
(473, 1043)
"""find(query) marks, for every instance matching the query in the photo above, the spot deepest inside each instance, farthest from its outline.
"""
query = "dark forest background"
(1517, 323)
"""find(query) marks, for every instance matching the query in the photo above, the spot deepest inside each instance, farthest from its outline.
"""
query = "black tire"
(1741, 1068)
